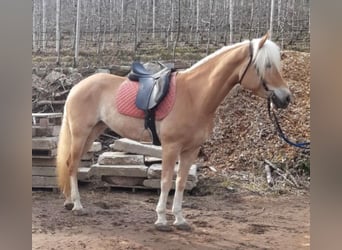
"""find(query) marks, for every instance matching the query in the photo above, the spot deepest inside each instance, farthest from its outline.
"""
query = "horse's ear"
(263, 39)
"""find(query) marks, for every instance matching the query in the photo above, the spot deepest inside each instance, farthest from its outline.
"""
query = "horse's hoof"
(183, 227)
(80, 212)
(69, 206)
(163, 227)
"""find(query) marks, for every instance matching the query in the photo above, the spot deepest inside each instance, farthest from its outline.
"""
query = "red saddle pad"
(126, 95)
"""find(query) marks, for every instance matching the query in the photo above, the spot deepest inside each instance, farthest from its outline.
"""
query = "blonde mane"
(268, 54)
(214, 54)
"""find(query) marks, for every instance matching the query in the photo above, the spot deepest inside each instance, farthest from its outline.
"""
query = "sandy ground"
(121, 219)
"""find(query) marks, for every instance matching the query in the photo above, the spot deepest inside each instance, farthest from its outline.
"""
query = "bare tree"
(58, 32)
(77, 43)
(44, 25)
(271, 18)
(153, 18)
(34, 27)
(231, 8)
(211, 7)
(197, 22)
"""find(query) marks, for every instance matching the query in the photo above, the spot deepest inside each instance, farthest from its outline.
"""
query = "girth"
(152, 90)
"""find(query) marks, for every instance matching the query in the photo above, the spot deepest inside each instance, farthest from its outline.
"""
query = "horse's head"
(262, 73)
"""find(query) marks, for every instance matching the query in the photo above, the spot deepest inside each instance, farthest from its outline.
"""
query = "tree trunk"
(77, 35)
(231, 21)
(178, 30)
(58, 32)
(197, 22)
(271, 19)
(153, 18)
(34, 27)
(251, 21)
(211, 5)
(44, 25)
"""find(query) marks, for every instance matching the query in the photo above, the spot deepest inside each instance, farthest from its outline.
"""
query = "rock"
(54, 76)
(154, 172)
(130, 146)
(119, 170)
(112, 158)
(73, 78)
(103, 71)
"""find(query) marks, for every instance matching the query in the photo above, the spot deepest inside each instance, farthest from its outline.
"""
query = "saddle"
(151, 91)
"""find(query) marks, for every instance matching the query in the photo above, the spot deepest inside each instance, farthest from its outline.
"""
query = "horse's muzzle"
(281, 99)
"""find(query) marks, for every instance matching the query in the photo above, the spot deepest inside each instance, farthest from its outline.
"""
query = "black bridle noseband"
(271, 113)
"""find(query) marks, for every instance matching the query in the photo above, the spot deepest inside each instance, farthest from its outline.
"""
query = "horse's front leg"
(170, 155)
(186, 159)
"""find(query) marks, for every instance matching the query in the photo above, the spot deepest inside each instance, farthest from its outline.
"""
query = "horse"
(90, 109)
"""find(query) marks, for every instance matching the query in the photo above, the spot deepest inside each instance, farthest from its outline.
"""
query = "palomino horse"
(90, 108)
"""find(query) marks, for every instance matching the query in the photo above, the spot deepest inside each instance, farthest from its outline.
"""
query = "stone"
(154, 172)
(95, 147)
(130, 146)
(112, 158)
(54, 76)
(119, 170)
(103, 71)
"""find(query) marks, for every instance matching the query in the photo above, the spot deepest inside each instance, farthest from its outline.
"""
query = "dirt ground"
(121, 219)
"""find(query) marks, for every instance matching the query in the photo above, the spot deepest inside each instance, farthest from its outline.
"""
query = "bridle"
(271, 113)
(263, 82)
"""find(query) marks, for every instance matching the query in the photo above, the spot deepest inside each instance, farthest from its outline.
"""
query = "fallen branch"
(48, 102)
(285, 174)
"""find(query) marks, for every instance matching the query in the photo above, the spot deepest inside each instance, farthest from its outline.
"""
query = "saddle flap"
(144, 93)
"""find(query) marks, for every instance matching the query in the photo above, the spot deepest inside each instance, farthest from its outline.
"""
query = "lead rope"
(274, 119)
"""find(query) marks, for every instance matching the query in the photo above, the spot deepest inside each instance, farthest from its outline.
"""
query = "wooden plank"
(47, 119)
(44, 143)
(44, 162)
(48, 115)
(44, 154)
(44, 182)
(52, 131)
(43, 171)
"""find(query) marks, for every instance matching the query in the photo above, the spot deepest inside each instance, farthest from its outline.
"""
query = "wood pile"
(45, 130)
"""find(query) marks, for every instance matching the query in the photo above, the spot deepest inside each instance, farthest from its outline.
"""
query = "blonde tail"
(63, 153)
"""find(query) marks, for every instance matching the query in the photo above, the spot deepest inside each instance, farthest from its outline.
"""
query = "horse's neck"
(210, 83)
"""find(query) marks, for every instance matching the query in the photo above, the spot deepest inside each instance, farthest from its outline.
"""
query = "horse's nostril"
(288, 99)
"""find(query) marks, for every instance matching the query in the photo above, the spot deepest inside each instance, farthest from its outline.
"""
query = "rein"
(274, 119)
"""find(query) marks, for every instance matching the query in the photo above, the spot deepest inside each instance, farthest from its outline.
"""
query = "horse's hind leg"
(186, 159)
(77, 145)
(78, 148)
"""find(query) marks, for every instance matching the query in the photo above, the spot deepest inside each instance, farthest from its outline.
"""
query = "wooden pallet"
(46, 119)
